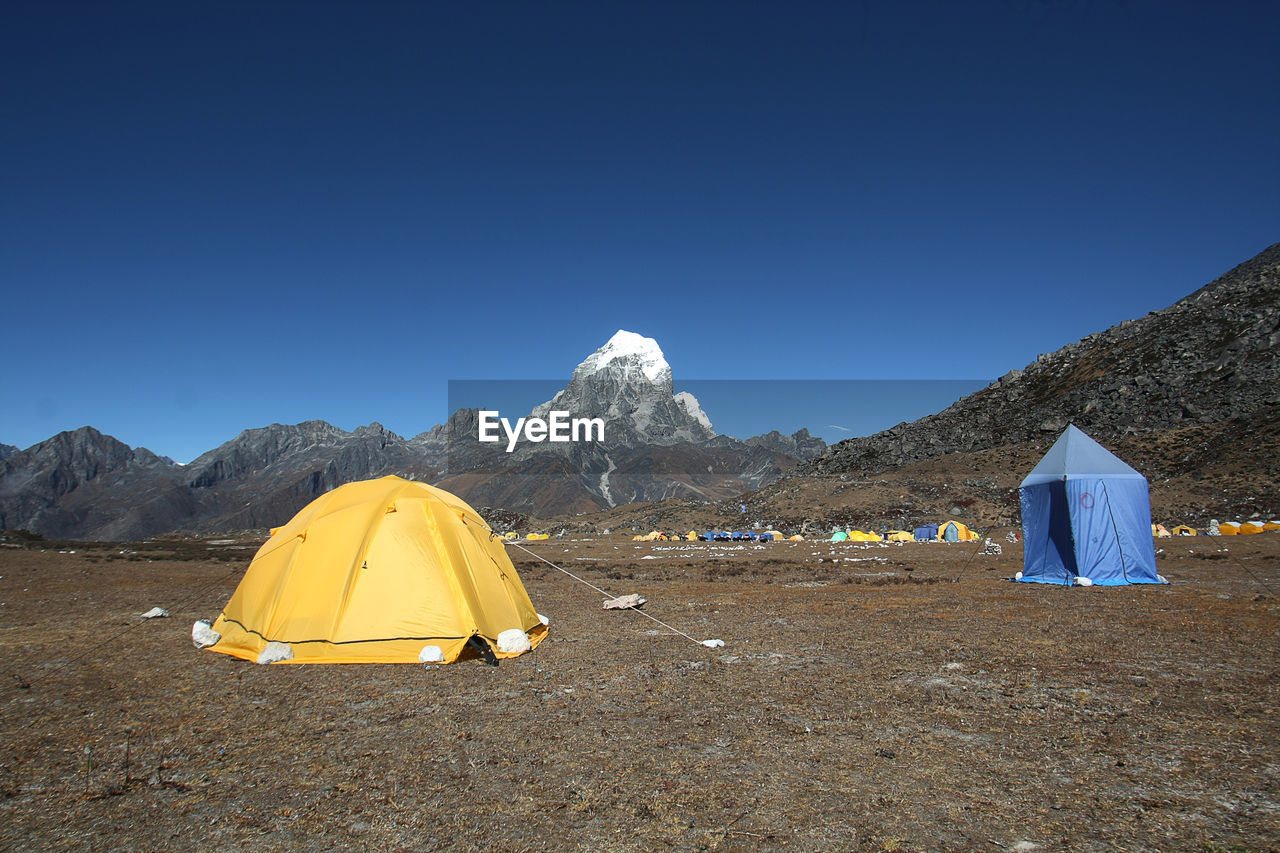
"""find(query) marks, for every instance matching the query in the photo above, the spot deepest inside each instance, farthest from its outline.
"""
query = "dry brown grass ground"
(867, 704)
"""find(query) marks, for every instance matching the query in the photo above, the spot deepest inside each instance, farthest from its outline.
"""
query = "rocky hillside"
(83, 481)
(7, 450)
(1211, 357)
(86, 485)
(263, 476)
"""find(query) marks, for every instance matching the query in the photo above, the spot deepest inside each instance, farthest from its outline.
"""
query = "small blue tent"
(1086, 514)
(926, 533)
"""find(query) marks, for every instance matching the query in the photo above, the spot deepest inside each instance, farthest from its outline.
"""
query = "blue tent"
(926, 533)
(1086, 514)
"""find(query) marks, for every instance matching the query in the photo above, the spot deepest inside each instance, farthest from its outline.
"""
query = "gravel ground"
(868, 697)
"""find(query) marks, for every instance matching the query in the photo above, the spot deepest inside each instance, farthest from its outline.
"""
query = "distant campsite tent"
(1159, 531)
(839, 536)
(899, 536)
(1183, 530)
(954, 531)
(1229, 528)
(1086, 514)
(379, 571)
(926, 533)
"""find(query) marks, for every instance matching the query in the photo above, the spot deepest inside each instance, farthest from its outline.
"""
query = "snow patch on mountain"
(635, 351)
(691, 405)
(604, 482)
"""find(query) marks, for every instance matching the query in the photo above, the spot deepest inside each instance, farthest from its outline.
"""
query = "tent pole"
(1124, 569)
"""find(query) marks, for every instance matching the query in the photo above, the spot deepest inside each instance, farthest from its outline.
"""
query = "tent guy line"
(981, 544)
(707, 643)
(97, 644)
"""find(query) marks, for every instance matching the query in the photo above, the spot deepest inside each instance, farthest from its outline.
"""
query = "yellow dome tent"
(954, 531)
(379, 571)
(900, 536)
(1183, 530)
(1229, 528)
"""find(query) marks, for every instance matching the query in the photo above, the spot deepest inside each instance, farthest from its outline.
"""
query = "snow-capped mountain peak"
(629, 383)
(635, 351)
(691, 405)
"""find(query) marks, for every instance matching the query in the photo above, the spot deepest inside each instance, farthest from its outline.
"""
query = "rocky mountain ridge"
(86, 485)
(1209, 357)
(1182, 388)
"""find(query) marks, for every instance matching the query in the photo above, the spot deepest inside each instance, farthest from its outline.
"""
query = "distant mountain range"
(1197, 380)
(86, 485)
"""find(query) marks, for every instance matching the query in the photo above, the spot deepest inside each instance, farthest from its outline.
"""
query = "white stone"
(275, 652)
(513, 641)
(202, 634)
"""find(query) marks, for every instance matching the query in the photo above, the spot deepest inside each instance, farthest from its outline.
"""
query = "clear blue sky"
(214, 216)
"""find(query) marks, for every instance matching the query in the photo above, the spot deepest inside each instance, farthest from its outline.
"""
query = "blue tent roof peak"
(1075, 454)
